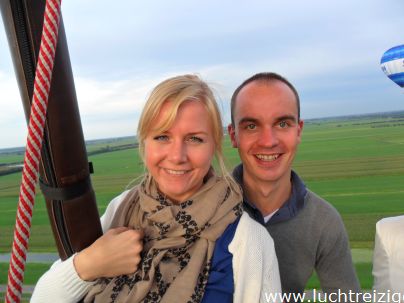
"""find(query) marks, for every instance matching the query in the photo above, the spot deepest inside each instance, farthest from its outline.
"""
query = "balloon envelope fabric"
(392, 64)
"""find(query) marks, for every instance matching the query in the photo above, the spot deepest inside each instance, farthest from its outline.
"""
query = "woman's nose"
(177, 152)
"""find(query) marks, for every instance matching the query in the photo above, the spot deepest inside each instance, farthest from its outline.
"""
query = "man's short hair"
(264, 77)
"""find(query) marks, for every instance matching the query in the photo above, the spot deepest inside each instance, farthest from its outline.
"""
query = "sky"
(330, 50)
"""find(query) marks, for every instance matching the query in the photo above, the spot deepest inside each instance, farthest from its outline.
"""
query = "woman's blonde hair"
(178, 90)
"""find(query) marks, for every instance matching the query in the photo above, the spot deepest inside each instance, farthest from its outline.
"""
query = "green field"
(356, 164)
(11, 158)
(359, 169)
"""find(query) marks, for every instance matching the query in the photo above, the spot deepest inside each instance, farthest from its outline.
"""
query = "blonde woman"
(180, 235)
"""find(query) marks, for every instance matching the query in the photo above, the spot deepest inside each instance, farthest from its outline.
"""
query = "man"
(308, 232)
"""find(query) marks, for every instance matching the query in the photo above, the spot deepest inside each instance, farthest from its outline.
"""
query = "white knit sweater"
(388, 256)
(255, 266)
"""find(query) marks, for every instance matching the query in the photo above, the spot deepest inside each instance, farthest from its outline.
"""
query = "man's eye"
(161, 138)
(195, 139)
(251, 126)
(283, 124)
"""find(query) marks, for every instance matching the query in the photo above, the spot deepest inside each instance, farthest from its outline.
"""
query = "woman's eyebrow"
(198, 133)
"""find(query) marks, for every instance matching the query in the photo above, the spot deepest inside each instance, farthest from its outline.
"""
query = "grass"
(24, 298)
(96, 145)
(11, 158)
(357, 167)
(32, 272)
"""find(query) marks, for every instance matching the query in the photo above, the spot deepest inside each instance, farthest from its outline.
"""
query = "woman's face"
(179, 158)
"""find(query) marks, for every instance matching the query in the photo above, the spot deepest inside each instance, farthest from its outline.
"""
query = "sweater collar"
(289, 208)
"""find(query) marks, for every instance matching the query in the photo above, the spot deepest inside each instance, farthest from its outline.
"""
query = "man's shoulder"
(317, 218)
(318, 214)
(318, 205)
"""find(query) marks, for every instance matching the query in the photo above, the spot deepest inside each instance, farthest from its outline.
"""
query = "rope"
(30, 172)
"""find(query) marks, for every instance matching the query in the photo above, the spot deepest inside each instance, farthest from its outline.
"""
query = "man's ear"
(232, 133)
(300, 130)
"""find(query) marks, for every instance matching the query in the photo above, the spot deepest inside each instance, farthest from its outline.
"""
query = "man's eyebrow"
(256, 121)
(248, 120)
(287, 117)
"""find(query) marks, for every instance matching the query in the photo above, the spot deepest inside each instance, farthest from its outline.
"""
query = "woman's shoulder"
(112, 208)
(248, 224)
(116, 202)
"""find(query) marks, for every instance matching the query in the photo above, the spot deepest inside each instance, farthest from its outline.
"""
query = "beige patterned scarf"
(178, 244)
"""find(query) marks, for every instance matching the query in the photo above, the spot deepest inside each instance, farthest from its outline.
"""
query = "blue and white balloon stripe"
(392, 64)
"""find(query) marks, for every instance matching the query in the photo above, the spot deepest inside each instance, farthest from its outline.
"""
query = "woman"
(197, 245)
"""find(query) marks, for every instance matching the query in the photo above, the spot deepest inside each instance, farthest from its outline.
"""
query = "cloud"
(12, 120)
(329, 49)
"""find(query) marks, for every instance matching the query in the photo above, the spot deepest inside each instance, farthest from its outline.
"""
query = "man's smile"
(266, 157)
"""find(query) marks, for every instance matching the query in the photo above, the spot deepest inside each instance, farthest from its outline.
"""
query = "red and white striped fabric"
(32, 158)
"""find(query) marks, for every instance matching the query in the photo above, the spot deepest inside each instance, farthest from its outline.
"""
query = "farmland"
(356, 163)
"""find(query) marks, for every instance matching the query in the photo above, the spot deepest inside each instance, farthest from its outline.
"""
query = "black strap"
(66, 193)
(91, 167)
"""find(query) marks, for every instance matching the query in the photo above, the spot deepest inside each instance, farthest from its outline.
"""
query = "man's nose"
(268, 137)
(177, 152)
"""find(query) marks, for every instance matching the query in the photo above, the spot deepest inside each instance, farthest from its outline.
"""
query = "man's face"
(266, 131)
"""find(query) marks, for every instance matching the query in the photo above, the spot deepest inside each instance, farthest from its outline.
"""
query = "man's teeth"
(267, 157)
(176, 172)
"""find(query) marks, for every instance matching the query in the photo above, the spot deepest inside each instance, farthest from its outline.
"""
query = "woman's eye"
(161, 138)
(195, 139)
